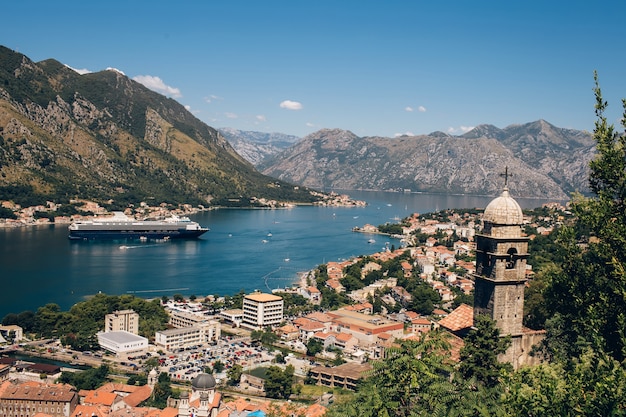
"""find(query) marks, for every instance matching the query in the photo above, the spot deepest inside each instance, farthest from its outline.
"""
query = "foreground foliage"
(580, 296)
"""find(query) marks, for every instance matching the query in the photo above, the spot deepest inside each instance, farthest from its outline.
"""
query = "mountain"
(560, 154)
(106, 137)
(256, 146)
(545, 161)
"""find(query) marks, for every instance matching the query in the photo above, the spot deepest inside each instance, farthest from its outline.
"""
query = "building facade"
(201, 334)
(122, 342)
(500, 278)
(28, 399)
(122, 320)
(262, 310)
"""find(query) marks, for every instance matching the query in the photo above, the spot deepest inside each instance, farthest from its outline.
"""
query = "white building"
(262, 310)
(181, 319)
(201, 334)
(122, 342)
(122, 320)
(234, 316)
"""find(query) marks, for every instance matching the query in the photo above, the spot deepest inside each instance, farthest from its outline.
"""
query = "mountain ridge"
(545, 161)
(104, 136)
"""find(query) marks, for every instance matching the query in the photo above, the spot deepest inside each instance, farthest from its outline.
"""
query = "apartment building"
(122, 320)
(262, 310)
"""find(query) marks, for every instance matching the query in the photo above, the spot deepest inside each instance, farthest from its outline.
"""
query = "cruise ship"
(120, 226)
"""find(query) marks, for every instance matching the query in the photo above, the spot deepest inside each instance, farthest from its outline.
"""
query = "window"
(511, 258)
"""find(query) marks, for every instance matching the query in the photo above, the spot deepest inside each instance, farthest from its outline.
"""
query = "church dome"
(203, 381)
(503, 210)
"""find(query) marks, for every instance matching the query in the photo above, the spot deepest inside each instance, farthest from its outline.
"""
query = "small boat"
(371, 241)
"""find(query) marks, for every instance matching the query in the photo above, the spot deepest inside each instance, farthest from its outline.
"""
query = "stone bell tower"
(501, 254)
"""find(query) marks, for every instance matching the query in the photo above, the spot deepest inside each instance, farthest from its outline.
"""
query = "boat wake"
(125, 247)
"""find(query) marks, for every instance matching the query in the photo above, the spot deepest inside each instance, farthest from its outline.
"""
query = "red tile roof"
(461, 318)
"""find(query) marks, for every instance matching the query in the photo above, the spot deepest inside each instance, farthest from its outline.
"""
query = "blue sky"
(376, 68)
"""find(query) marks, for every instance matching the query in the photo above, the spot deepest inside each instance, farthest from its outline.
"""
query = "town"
(226, 359)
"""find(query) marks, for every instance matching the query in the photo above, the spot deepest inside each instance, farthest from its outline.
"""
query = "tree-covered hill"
(106, 137)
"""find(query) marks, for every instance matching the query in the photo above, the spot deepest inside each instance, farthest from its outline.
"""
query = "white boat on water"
(120, 226)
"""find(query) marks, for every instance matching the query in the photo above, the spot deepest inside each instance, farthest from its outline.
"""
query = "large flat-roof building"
(262, 310)
(346, 376)
(122, 342)
(368, 329)
(172, 339)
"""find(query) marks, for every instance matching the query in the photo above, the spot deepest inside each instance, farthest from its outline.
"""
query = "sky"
(376, 68)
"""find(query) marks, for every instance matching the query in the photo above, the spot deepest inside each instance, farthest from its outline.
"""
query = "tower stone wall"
(500, 278)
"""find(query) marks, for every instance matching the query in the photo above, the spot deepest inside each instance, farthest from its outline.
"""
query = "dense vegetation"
(78, 326)
(578, 295)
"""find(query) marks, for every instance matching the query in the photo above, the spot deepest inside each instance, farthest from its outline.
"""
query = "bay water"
(244, 250)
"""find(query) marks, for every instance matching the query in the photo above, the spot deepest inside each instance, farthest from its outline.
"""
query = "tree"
(584, 294)
(278, 382)
(415, 379)
(218, 366)
(162, 391)
(89, 379)
(479, 355)
(314, 346)
(234, 374)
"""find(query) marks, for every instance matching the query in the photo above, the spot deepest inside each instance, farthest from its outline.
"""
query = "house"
(29, 398)
(346, 376)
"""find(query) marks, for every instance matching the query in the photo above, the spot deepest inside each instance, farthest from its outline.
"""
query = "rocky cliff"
(106, 137)
(544, 161)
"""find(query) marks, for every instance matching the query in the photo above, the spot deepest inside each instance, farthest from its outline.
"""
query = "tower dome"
(203, 382)
(503, 210)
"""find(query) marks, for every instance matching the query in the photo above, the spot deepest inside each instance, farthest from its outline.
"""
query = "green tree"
(88, 379)
(584, 294)
(415, 379)
(161, 392)
(234, 374)
(278, 382)
(314, 346)
(479, 355)
(218, 366)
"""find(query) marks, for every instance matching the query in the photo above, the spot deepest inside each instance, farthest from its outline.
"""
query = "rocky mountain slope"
(253, 146)
(544, 161)
(106, 137)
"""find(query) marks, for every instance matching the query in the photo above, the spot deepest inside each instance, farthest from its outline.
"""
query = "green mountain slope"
(106, 137)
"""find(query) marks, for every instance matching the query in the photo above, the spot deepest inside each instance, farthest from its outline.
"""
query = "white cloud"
(397, 135)
(80, 71)
(309, 124)
(421, 109)
(291, 105)
(260, 118)
(212, 98)
(116, 70)
(231, 115)
(459, 130)
(409, 109)
(157, 84)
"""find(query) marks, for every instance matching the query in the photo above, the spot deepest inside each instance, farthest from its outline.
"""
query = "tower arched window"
(511, 258)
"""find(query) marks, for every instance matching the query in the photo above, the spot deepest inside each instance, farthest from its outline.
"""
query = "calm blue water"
(39, 265)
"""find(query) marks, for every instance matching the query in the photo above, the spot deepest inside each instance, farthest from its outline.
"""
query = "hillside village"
(355, 310)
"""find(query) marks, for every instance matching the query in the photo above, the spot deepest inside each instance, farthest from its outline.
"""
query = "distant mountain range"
(544, 161)
(106, 137)
(257, 146)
